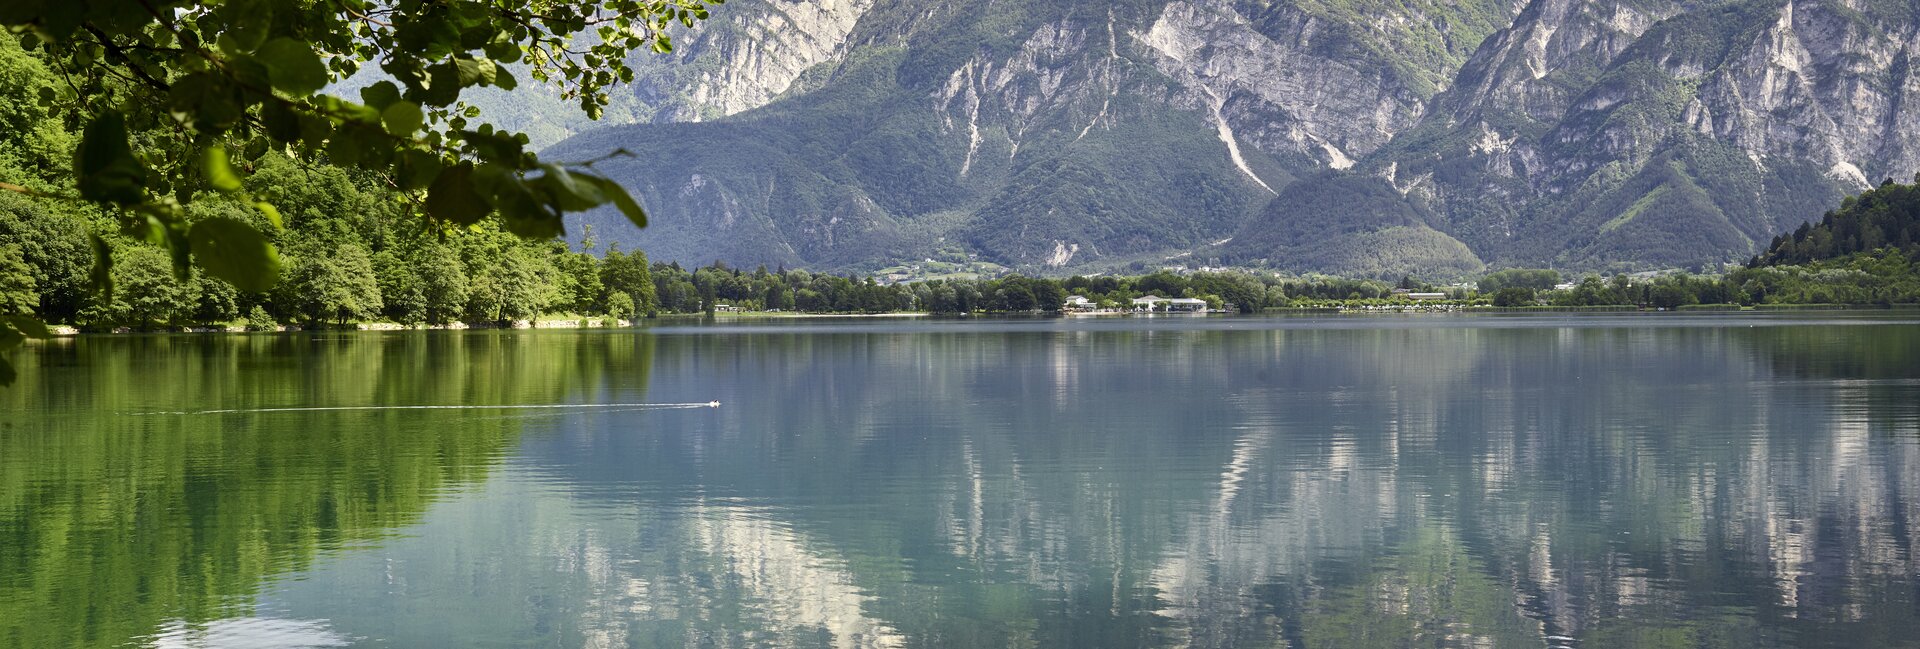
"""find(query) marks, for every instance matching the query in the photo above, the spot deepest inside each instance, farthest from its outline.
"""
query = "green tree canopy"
(173, 98)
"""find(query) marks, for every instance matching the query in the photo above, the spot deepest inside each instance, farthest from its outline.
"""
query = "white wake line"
(558, 406)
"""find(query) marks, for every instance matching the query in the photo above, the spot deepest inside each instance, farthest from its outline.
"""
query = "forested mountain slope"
(1887, 217)
(1346, 136)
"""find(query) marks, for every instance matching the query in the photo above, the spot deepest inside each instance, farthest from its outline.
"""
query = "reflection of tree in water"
(1374, 488)
(1883, 362)
(116, 525)
(1646, 487)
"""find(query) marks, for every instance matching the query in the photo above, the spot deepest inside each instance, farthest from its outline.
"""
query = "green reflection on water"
(114, 522)
(1619, 486)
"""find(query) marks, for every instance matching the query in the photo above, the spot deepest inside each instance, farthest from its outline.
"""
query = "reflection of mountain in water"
(1393, 487)
(1478, 487)
(116, 525)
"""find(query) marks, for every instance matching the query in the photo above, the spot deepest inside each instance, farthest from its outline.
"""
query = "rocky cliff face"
(752, 51)
(1822, 82)
(1068, 136)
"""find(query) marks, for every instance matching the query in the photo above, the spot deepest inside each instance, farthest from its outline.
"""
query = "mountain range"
(1356, 137)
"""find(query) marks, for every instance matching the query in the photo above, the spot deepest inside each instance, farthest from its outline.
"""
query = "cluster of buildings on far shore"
(1157, 304)
(1145, 304)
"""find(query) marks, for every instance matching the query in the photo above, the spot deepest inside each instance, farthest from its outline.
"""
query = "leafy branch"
(168, 90)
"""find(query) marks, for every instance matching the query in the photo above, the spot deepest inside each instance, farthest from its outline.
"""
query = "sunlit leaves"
(272, 214)
(219, 171)
(233, 251)
(474, 72)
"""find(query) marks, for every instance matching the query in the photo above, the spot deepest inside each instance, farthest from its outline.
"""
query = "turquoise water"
(1441, 481)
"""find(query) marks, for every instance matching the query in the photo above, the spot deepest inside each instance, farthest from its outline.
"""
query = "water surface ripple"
(1424, 481)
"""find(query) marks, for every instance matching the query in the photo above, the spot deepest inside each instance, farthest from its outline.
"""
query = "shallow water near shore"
(1510, 480)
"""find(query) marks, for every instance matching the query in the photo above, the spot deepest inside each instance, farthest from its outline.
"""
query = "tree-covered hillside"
(1887, 216)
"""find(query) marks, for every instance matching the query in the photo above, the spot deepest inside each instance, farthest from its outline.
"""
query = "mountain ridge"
(1056, 137)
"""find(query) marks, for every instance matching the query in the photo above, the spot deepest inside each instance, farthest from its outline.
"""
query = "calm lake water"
(1451, 481)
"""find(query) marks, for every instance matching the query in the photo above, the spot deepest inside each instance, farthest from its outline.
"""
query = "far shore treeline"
(349, 257)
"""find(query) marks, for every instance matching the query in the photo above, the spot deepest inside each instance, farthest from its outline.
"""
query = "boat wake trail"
(556, 406)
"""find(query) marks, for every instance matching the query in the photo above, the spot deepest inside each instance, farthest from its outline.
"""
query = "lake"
(1633, 480)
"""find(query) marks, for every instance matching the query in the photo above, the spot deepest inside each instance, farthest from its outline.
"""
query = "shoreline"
(68, 331)
(576, 323)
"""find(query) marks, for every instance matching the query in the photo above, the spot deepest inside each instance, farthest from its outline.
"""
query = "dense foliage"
(162, 106)
(1885, 216)
(1527, 278)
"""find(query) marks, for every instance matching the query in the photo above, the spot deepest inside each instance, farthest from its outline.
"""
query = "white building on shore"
(1169, 304)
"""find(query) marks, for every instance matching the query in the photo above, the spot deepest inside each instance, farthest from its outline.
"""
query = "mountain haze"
(1346, 136)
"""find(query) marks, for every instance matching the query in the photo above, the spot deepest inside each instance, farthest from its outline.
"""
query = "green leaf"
(621, 199)
(494, 146)
(418, 168)
(522, 212)
(272, 214)
(440, 87)
(293, 66)
(402, 118)
(570, 194)
(341, 151)
(315, 131)
(452, 196)
(283, 125)
(180, 250)
(230, 249)
(473, 72)
(104, 165)
(10, 339)
(248, 22)
(380, 95)
(219, 173)
(29, 326)
(100, 278)
(204, 100)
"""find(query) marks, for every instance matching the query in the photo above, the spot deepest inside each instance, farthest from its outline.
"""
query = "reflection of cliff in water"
(1248, 488)
(117, 525)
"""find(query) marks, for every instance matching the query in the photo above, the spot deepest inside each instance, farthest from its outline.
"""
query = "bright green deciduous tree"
(629, 274)
(19, 294)
(150, 295)
(620, 305)
(443, 284)
(332, 286)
